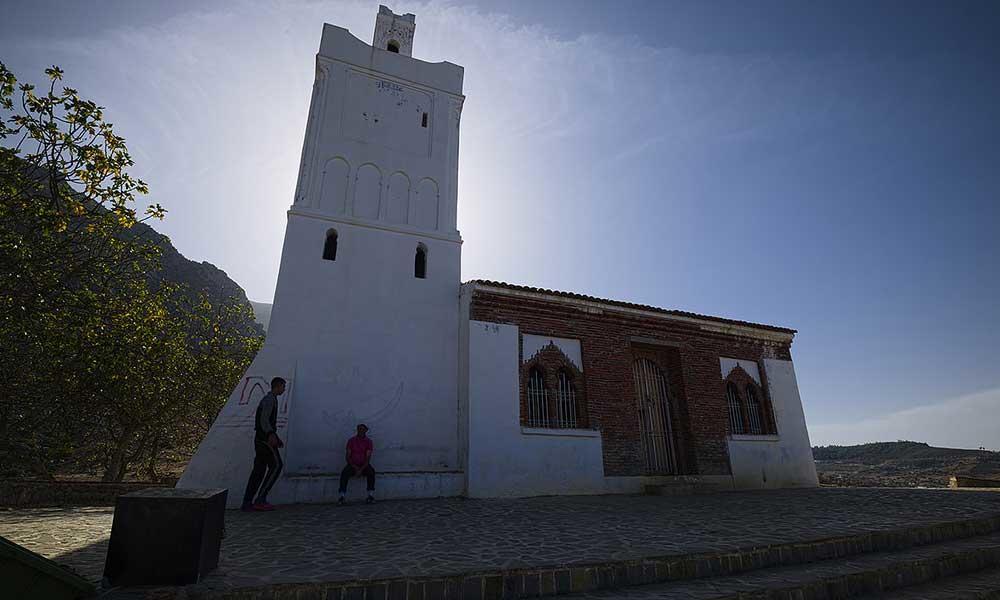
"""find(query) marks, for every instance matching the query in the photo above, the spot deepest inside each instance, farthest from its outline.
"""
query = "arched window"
(735, 410)
(392, 46)
(330, 246)
(420, 262)
(538, 405)
(566, 401)
(754, 414)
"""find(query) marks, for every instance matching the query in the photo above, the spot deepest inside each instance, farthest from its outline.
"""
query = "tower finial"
(393, 32)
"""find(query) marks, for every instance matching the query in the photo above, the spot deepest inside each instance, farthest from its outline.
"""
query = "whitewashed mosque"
(481, 389)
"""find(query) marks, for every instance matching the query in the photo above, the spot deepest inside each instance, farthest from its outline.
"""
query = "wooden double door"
(657, 418)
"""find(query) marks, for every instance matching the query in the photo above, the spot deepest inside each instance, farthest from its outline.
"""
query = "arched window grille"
(330, 246)
(566, 402)
(735, 410)
(754, 413)
(538, 402)
(420, 262)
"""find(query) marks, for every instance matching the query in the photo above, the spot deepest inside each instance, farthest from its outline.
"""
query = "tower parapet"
(393, 32)
(381, 143)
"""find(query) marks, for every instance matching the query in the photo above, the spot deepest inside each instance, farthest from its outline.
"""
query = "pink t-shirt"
(357, 450)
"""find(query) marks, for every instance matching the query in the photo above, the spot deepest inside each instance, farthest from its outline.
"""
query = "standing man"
(359, 457)
(267, 462)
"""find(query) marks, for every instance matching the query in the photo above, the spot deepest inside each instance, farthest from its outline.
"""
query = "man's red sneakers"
(263, 506)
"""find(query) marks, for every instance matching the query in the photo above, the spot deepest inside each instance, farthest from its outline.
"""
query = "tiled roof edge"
(630, 305)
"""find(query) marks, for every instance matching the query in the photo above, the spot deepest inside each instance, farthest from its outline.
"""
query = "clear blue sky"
(829, 167)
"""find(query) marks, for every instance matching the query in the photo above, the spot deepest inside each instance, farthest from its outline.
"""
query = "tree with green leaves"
(107, 368)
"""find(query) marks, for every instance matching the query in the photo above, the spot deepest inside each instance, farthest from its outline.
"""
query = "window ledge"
(579, 433)
(747, 437)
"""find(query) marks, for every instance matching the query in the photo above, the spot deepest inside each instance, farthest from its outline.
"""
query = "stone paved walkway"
(984, 585)
(313, 543)
(835, 573)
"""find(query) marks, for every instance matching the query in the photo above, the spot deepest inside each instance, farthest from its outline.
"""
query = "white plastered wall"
(775, 461)
(506, 459)
(373, 344)
(362, 338)
(225, 457)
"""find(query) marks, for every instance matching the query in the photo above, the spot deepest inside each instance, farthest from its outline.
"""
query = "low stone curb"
(898, 576)
(25, 493)
(555, 580)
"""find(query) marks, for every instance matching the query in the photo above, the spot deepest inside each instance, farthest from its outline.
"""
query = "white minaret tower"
(365, 324)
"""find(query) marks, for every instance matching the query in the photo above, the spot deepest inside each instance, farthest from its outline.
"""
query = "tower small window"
(423, 120)
(392, 46)
(330, 246)
(420, 262)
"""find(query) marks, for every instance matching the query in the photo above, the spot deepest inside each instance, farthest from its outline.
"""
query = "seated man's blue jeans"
(349, 471)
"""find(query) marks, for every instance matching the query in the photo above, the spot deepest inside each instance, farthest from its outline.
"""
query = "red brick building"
(669, 393)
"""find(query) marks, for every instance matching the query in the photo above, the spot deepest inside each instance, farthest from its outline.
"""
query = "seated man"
(359, 456)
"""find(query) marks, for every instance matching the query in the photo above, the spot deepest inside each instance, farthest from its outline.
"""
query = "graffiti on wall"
(251, 390)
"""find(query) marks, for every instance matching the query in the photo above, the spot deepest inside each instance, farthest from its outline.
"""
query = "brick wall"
(688, 354)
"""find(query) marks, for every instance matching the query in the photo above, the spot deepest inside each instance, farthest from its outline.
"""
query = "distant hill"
(901, 464)
(199, 277)
(880, 451)
(203, 277)
(262, 312)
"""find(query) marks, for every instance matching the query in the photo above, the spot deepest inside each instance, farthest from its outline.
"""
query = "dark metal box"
(165, 536)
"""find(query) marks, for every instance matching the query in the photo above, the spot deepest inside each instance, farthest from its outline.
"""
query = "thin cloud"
(214, 104)
(968, 421)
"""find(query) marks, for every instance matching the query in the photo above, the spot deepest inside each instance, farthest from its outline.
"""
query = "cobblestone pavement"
(323, 543)
(837, 574)
(975, 586)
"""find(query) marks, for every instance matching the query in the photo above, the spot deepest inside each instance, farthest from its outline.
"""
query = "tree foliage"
(106, 368)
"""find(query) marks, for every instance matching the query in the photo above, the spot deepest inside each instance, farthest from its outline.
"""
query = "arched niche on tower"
(398, 198)
(367, 191)
(333, 190)
(424, 212)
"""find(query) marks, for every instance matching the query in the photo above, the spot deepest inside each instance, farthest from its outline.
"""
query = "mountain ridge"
(200, 277)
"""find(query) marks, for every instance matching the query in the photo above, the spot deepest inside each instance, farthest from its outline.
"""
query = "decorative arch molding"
(398, 198)
(550, 358)
(750, 367)
(532, 344)
(336, 177)
(367, 192)
(426, 205)
(740, 376)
